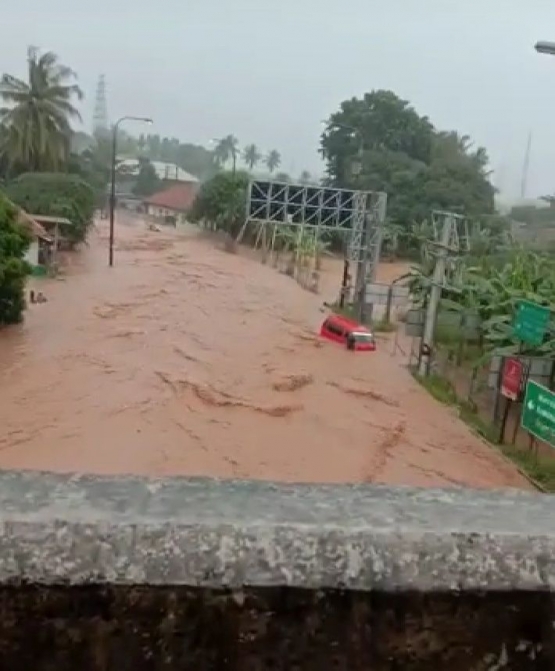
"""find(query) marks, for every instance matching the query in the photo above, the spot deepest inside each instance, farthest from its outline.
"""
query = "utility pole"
(113, 179)
(435, 295)
(526, 167)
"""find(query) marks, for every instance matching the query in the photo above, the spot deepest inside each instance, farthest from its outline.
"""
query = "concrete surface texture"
(101, 573)
(127, 530)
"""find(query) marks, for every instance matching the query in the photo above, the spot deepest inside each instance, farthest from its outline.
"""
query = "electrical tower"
(100, 118)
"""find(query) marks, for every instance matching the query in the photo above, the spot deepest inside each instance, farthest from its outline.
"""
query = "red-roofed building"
(172, 203)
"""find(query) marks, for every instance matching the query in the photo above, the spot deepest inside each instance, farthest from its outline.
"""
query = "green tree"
(14, 242)
(93, 164)
(381, 121)
(403, 155)
(196, 160)
(148, 181)
(305, 177)
(56, 194)
(273, 160)
(226, 149)
(38, 112)
(251, 156)
(221, 202)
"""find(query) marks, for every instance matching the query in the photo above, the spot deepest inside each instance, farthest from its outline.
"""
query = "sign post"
(538, 413)
(531, 321)
(511, 378)
(510, 386)
(529, 326)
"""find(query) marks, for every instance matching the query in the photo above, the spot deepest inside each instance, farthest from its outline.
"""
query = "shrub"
(14, 241)
(221, 201)
(56, 194)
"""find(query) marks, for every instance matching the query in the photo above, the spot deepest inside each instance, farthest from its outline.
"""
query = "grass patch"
(383, 326)
(441, 389)
(539, 468)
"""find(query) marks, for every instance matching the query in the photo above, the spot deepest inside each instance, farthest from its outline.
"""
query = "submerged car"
(345, 331)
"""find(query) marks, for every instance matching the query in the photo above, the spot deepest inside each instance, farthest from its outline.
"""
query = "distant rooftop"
(178, 197)
(165, 171)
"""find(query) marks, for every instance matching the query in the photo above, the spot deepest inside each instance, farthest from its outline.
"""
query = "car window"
(334, 328)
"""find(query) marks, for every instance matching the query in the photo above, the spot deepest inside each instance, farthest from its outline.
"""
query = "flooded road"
(183, 359)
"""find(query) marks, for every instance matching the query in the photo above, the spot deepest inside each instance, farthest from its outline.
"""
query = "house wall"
(32, 254)
(155, 575)
(161, 212)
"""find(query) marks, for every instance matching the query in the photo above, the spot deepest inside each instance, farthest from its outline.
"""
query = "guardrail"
(129, 574)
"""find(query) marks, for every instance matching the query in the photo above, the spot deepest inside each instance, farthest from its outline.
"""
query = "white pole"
(435, 296)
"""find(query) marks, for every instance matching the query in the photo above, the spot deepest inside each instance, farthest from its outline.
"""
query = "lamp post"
(545, 48)
(113, 178)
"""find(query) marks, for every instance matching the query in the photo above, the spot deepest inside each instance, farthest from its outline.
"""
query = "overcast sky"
(269, 72)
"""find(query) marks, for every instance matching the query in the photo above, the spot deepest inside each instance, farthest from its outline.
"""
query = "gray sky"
(268, 72)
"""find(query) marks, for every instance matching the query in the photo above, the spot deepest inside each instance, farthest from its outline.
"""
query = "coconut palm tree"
(273, 160)
(227, 148)
(37, 113)
(251, 155)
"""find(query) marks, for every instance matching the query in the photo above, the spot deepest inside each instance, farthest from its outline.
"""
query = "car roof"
(347, 324)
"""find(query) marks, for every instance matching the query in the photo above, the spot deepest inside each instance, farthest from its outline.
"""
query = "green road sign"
(538, 412)
(531, 322)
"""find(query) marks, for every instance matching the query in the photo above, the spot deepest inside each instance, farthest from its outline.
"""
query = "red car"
(348, 332)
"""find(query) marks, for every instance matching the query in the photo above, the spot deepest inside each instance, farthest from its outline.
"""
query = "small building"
(39, 252)
(171, 204)
(166, 172)
(56, 228)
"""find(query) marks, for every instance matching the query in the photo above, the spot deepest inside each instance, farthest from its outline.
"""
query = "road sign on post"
(538, 412)
(531, 321)
(511, 378)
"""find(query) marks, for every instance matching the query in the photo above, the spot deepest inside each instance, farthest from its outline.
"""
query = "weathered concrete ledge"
(99, 574)
(79, 530)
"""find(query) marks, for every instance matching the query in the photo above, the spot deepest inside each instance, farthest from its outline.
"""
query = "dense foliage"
(488, 283)
(56, 194)
(13, 269)
(401, 153)
(533, 215)
(195, 159)
(148, 181)
(36, 114)
(221, 201)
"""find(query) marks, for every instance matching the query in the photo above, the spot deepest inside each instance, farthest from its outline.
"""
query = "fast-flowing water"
(185, 359)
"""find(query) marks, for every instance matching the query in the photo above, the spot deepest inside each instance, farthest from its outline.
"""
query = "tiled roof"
(178, 197)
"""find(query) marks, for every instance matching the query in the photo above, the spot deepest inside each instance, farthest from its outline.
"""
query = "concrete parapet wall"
(126, 573)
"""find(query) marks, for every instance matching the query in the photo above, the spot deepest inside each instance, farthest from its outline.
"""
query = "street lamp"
(545, 48)
(113, 184)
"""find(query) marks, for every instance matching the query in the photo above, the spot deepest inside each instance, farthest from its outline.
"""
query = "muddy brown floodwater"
(184, 359)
